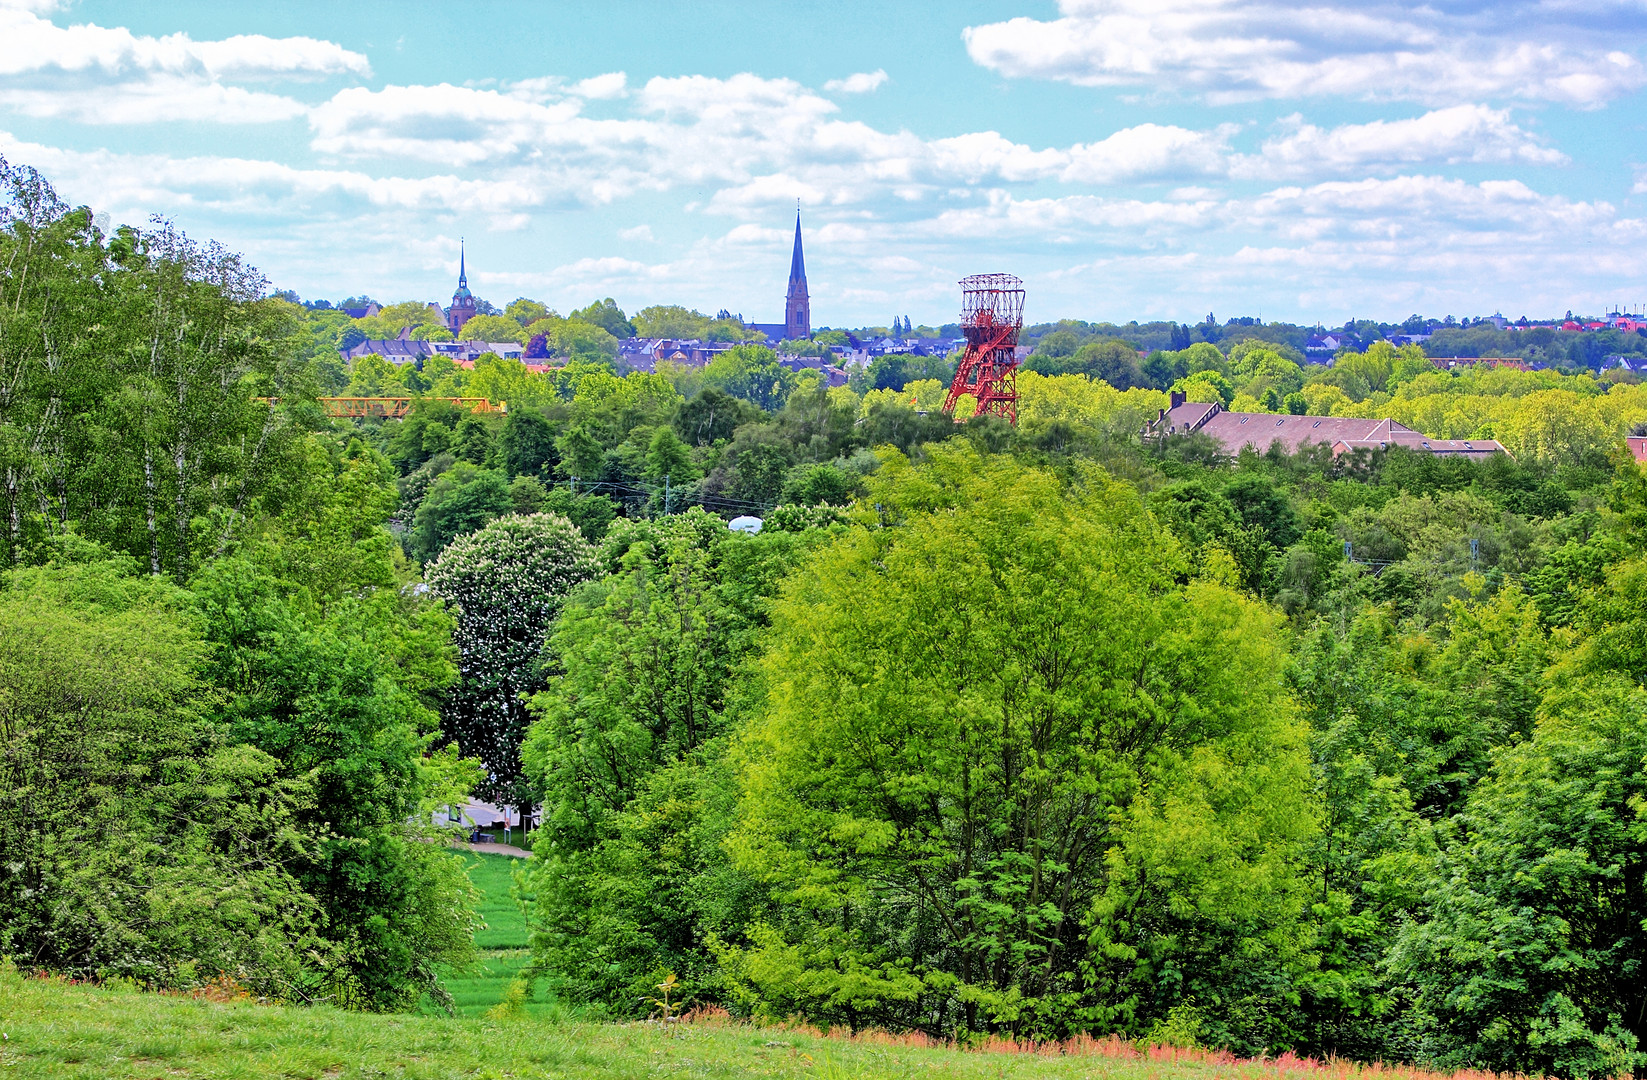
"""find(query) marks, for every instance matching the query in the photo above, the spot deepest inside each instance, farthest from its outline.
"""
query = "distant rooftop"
(1236, 430)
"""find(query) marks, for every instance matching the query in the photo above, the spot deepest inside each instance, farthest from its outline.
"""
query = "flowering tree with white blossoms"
(507, 582)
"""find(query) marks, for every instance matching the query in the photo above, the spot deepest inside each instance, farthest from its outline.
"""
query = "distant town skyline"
(1127, 159)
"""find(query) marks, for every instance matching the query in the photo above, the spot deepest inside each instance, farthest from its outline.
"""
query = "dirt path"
(499, 849)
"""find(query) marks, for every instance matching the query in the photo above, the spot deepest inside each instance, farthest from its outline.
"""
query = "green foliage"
(1029, 842)
(331, 670)
(592, 514)
(527, 494)
(528, 444)
(608, 316)
(132, 365)
(814, 485)
(1111, 360)
(493, 328)
(584, 342)
(750, 372)
(1532, 950)
(135, 841)
(526, 312)
(993, 727)
(668, 457)
(894, 371)
(628, 749)
(712, 416)
(461, 500)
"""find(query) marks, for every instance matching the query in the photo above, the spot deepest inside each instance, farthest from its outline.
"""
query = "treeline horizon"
(1033, 729)
(1450, 339)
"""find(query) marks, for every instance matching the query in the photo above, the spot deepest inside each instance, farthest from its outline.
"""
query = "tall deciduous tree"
(131, 370)
(1010, 771)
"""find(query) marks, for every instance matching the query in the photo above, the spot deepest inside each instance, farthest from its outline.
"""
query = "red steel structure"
(992, 313)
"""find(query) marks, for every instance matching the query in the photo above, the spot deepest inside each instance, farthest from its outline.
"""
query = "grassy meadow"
(57, 1029)
(502, 944)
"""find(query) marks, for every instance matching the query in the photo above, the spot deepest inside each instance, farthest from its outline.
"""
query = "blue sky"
(1310, 160)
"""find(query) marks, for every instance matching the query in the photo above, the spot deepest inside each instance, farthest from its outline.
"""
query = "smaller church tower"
(463, 301)
(797, 310)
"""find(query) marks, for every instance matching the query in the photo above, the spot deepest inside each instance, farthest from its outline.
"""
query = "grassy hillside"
(53, 1029)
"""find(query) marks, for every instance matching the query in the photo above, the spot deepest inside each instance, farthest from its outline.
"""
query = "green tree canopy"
(133, 839)
(751, 372)
(493, 328)
(608, 316)
(462, 499)
(1027, 781)
(526, 312)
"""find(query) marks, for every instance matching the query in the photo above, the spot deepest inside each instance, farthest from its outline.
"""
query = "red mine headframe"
(992, 313)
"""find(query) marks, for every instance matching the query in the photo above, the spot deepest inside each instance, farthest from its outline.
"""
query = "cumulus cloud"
(97, 74)
(1151, 150)
(758, 142)
(862, 82)
(1227, 50)
(1145, 211)
(133, 185)
(1471, 134)
(614, 84)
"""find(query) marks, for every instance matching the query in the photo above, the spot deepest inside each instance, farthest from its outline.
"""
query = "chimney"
(1178, 398)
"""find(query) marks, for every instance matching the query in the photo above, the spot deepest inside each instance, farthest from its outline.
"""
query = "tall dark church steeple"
(797, 316)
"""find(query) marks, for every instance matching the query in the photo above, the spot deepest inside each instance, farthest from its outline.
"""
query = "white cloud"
(1461, 134)
(614, 84)
(1151, 150)
(161, 98)
(862, 82)
(96, 74)
(1413, 242)
(1226, 50)
(131, 186)
(757, 143)
(1150, 213)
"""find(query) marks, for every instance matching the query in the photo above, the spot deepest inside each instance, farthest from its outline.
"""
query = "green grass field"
(52, 1029)
(502, 945)
(492, 875)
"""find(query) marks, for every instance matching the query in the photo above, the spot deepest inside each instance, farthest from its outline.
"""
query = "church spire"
(463, 270)
(797, 261)
(797, 306)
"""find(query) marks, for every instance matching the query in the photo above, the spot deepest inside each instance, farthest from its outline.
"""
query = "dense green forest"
(1032, 730)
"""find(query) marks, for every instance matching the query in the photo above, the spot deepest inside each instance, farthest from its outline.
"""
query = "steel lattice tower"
(992, 313)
